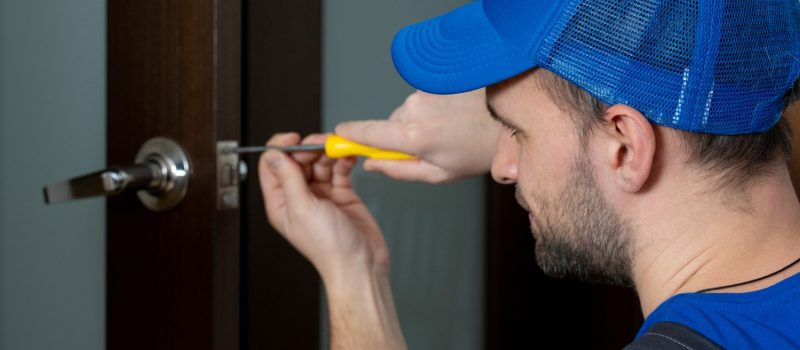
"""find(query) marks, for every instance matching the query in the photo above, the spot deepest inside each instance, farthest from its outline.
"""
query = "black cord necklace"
(751, 281)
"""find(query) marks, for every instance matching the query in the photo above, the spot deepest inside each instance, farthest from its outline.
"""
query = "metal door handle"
(160, 175)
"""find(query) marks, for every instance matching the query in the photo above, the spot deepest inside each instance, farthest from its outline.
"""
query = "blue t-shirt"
(763, 319)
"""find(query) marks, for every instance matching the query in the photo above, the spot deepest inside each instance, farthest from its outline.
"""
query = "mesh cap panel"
(699, 65)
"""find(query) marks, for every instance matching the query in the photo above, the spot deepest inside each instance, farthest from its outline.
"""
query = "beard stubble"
(579, 235)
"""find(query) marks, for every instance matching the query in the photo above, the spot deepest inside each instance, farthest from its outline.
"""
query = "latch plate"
(227, 176)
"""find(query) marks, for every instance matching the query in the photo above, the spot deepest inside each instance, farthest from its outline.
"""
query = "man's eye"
(511, 131)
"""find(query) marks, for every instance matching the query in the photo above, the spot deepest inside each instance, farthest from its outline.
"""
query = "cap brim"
(455, 52)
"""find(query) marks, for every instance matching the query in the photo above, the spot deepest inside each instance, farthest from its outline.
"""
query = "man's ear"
(630, 148)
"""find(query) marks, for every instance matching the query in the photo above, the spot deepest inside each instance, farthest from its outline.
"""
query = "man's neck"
(711, 241)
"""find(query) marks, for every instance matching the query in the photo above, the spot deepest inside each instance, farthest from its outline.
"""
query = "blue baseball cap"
(719, 67)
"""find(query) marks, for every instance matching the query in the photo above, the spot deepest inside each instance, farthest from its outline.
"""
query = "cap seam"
(558, 17)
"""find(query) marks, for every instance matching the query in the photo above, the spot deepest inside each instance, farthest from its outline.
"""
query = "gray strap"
(672, 336)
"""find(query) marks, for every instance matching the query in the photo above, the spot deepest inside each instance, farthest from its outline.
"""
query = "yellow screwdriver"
(334, 147)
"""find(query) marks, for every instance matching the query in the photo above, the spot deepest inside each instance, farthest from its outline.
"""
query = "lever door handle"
(160, 174)
(107, 182)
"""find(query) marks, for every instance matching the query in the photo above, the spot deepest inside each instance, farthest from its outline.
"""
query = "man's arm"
(453, 136)
(310, 201)
(362, 312)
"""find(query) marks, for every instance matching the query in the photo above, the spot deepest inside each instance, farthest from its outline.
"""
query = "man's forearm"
(362, 312)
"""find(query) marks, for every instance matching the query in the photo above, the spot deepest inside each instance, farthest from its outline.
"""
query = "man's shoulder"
(672, 336)
(767, 318)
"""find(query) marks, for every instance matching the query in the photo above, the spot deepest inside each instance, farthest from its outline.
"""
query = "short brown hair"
(735, 158)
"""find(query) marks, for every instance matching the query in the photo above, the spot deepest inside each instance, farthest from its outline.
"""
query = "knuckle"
(413, 98)
(415, 101)
(342, 128)
(413, 133)
(438, 178)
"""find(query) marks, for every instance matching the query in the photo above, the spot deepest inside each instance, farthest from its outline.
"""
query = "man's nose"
(504, 164)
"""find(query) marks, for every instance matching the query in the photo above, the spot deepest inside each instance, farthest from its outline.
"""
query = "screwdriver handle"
(339, 147)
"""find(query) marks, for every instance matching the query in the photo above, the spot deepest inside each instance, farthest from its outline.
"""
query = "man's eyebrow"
(500, 119)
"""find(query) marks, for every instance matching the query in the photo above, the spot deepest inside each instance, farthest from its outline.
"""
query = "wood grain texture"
(172, 278)
(227, 229)
(282, 72)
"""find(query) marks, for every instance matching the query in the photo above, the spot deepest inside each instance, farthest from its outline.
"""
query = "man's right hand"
(310, 200)
(453, 137)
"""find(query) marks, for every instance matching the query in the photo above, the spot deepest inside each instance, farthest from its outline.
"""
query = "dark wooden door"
(199, 72)
(173, 70)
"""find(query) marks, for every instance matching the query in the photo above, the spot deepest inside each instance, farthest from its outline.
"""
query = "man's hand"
(453, 137)
(310, 200)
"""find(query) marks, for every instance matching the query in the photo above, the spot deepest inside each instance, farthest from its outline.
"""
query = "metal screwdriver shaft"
(262, 149)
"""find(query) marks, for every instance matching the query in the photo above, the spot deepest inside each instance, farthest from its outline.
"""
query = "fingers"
(291, 180)
(321, 168)
(310, 157)
(269, 181)
(408, 170)
(385, 134)
(284, 139)
(341, 172)
(274, 200)
(316, 166)
(282, 179)
(272, 193)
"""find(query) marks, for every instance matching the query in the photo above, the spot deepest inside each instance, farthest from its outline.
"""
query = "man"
(645, 142)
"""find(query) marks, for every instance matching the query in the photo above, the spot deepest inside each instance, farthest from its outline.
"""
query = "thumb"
(290, 178)
(408, 170)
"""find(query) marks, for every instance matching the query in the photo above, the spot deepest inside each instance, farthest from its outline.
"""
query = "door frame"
(282, 91)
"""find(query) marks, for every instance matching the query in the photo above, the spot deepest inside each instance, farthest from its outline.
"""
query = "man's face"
(578, 233)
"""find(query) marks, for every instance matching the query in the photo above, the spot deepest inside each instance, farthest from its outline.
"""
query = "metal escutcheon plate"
(176, 170)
